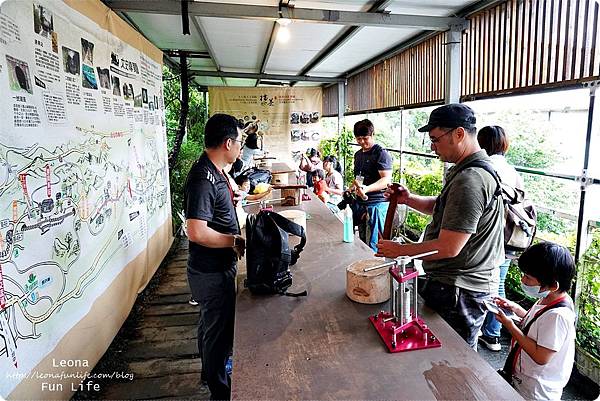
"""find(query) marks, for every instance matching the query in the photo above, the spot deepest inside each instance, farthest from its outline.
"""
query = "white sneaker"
(492, 343)
(193, 302)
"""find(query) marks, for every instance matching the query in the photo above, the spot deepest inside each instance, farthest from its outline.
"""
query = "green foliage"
(588, 330)
(339, 147)
(549, 223)
(190, 150)
(421, 181)
(193, 143)
(415, 140)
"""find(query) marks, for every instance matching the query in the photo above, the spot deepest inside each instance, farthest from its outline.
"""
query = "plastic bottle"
(348, 225)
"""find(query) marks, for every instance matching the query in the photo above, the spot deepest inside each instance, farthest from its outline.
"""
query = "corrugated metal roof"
(239, 42)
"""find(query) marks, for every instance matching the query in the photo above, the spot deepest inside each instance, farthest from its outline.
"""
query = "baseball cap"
(450, 116)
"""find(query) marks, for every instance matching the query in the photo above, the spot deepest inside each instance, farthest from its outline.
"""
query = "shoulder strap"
(487, 167)
(291, 228)
(511, 360)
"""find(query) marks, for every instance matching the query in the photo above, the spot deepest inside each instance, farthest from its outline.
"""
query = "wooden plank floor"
(161, 348)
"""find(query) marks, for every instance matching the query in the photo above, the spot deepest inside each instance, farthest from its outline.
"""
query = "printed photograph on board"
(87, 52)
(137, 100)
(43, 21)
(88, 77)
(295, 117)
(104, 77)
(128, 91)
(55, 42)
(116, 85)
(19, 78)
(70, 61)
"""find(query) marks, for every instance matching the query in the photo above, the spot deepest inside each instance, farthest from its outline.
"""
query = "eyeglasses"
(241, 141)
(436, 139)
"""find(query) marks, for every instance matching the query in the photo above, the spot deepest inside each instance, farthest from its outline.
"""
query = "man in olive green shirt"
(466, 228)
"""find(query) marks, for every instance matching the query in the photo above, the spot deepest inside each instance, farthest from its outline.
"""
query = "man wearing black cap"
(466, 227)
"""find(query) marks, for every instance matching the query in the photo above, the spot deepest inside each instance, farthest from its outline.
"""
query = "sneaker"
(492, 343)
(229, 366)
(193, 302)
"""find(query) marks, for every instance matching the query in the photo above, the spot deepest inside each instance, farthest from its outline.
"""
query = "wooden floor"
(162, 354)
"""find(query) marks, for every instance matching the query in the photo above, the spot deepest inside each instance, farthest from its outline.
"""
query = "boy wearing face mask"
(543, 346)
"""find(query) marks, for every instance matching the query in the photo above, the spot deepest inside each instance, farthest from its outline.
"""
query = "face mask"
(534, 291)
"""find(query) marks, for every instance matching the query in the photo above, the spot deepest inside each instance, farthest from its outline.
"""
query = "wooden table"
(323, 346)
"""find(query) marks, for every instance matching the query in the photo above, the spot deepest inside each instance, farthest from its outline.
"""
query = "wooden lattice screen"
(518, 46)
(530, 45)
(414, 77)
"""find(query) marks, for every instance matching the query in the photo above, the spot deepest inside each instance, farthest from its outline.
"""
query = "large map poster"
(83, 174)
(288, 119)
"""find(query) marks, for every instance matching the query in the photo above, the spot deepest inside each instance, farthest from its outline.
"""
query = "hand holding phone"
(495, 309)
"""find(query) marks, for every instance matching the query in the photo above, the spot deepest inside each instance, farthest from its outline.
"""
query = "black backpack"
(268, 255)
(520, 222)
(256, 176)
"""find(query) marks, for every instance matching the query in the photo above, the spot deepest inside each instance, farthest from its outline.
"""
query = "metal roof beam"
(201, 31)
(341, 39)
(421, 37)
(271, 77)
(269, 13)
(272, 38)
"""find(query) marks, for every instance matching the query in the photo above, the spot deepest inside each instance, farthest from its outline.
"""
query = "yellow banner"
(288, 119)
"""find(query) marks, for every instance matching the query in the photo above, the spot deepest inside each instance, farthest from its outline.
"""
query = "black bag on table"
(268, 255)
(256, 176)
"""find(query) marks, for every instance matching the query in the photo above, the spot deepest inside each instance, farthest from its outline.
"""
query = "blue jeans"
(377, 213)
(491, 326)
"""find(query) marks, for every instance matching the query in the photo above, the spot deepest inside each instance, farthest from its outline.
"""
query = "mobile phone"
(492, 307)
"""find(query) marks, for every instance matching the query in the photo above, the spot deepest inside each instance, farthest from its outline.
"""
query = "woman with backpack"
(541, 358)
(495, 142)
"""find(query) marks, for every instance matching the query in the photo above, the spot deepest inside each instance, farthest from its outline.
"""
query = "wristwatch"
(237, 241)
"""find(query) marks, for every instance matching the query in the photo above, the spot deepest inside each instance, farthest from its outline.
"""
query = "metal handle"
(406, 258)
(381, 266)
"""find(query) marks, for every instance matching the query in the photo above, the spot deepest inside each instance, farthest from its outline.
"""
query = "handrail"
(521, 169)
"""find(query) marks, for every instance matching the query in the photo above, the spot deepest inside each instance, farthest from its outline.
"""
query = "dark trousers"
(215, 293)
(462, 309)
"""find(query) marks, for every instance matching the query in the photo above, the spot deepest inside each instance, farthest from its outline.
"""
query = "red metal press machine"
(400, 328)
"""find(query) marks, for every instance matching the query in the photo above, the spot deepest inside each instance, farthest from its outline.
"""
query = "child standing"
(543, 347)
(320, 185)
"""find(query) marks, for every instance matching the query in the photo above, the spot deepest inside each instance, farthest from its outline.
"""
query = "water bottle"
(348, 225)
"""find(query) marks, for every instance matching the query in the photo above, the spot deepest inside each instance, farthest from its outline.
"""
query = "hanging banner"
(288, 119)
(84, 188)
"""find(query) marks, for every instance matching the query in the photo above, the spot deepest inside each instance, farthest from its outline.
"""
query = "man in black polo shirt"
(215, 247)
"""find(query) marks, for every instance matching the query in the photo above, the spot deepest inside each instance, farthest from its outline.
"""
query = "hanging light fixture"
(283, 33)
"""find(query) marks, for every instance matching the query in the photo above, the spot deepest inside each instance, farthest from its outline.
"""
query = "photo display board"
(85, 214)
(288, 119)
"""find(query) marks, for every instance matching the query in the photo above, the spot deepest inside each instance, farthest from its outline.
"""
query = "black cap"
(451, 116)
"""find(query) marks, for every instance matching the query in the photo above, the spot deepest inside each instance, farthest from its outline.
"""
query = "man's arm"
(385, 178)
(423, 204)
(448, 244)
(200, 233)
